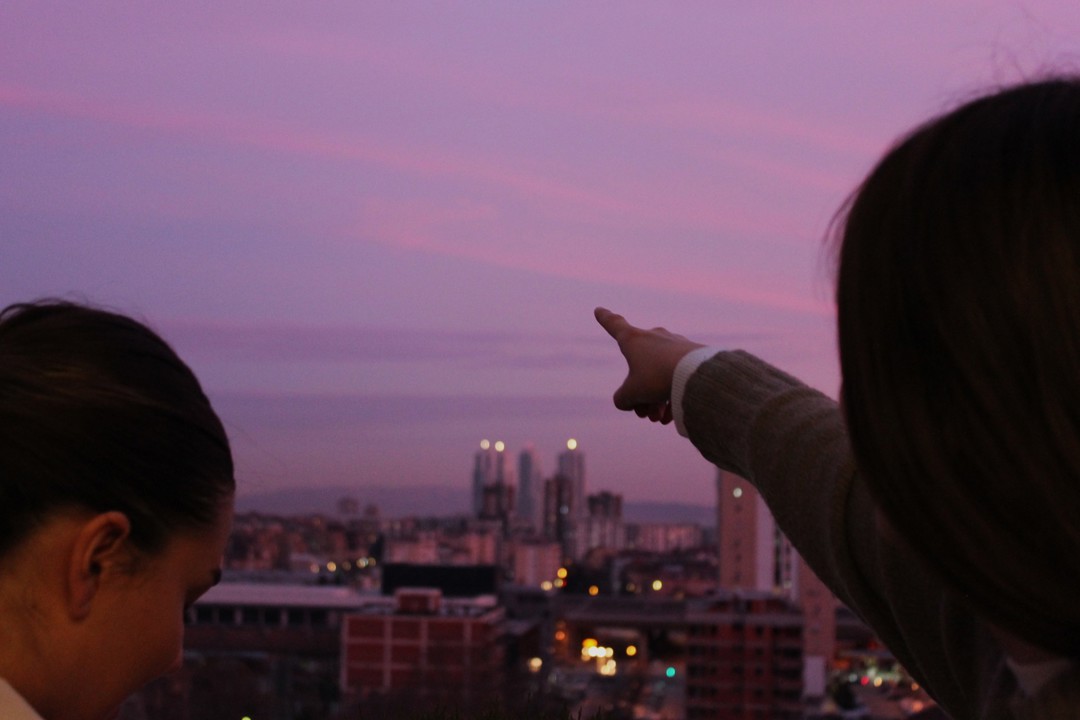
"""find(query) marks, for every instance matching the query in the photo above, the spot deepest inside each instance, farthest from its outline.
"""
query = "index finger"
(614, 324)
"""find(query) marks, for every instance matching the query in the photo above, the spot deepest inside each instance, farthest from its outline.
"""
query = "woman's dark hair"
(98, 413)
(958, 296)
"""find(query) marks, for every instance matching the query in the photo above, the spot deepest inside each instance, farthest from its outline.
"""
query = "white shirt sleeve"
(683, 371)
(13, 706)
(1033, 676)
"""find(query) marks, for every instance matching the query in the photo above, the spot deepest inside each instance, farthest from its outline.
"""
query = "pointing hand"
(651, 356)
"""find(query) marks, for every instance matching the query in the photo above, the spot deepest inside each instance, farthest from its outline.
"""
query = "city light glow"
(631, 650)
(535, 664)
(485, 444)
(546, 585)
(737, 492)
(499, 446)
(657, 585)
(571, 444)
(594, 590)
(595, 652)
(561, 573)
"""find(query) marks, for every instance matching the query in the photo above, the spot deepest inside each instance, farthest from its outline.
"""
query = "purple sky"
(377, 230)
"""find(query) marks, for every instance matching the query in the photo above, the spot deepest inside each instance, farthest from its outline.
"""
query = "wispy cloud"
(564, 90)
(467, 230)
(625, 200)
(571, 228)
(272, 343)
(311, 412)
(254, 132)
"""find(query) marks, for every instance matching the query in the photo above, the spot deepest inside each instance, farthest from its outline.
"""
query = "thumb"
(624, 396)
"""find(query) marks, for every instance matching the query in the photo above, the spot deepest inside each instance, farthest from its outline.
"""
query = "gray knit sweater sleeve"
(790, 442)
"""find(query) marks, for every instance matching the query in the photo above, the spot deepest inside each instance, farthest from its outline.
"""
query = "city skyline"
(377, 233)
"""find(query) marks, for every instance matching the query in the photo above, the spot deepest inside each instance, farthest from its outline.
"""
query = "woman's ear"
(101, 545)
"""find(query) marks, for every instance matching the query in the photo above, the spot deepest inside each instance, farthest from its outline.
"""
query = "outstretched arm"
(789, 441)
(748, 417)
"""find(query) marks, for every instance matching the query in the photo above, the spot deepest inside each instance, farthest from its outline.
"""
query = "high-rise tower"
(571, 465)
(483, 474)
(573, 509)
(559, 523)
(605, 528)
(755, 555)
(530, 487)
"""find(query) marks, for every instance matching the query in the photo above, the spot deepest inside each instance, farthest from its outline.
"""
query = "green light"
(671, 672)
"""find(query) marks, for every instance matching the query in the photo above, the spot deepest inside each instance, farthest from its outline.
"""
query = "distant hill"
(645, 511)
(423, 500)
(435, 500)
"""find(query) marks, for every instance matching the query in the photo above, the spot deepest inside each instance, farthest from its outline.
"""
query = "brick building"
(446, 649)
(744, 659)
(755, 555)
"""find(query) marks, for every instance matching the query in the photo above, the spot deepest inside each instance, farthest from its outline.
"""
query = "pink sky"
(377, 231)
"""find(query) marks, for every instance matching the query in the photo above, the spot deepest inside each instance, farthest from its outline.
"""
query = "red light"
(864, 680)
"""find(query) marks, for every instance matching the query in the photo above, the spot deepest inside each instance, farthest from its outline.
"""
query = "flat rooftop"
(327, 597)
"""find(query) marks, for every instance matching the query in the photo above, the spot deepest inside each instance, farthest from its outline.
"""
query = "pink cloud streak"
(420, 230)
(420, 226)
(643, 207)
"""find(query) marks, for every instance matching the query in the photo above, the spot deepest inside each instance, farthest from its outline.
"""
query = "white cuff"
(686, 367)
(1032, 676)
